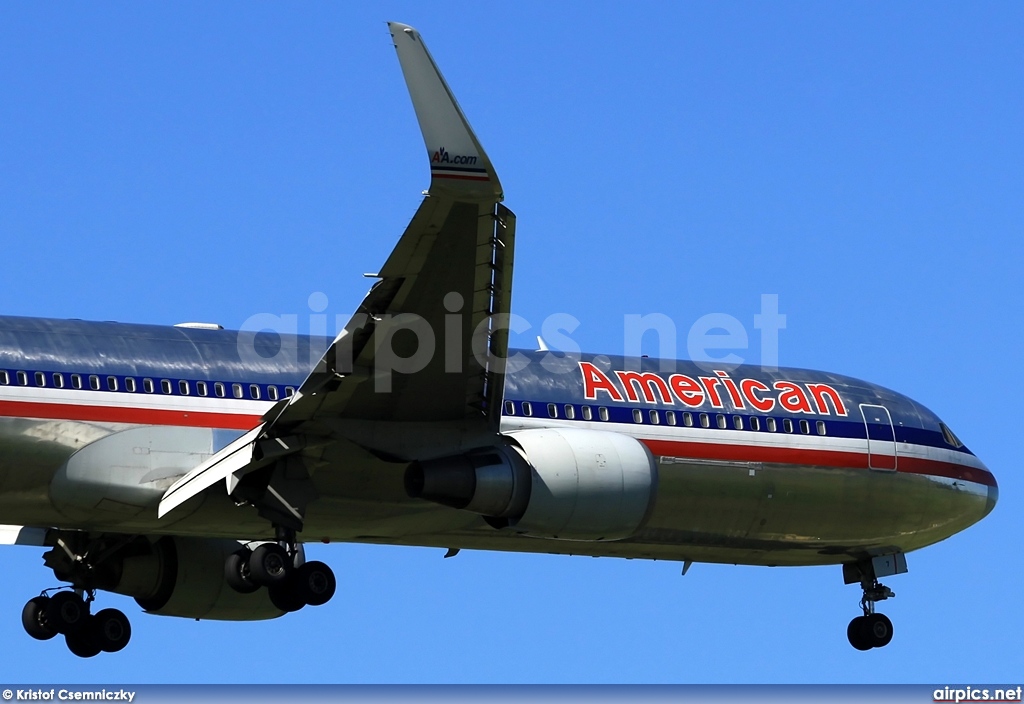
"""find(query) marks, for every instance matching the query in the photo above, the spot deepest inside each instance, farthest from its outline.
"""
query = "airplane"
(186, 465)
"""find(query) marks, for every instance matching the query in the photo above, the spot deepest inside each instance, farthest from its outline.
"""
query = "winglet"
(458, 164)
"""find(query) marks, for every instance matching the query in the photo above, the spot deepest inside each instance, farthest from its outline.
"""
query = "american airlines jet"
(185, 466)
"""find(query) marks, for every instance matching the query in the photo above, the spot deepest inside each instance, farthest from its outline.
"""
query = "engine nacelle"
(557, 483)
(185, 577)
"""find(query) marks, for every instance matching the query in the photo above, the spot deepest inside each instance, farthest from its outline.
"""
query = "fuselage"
(755, 466)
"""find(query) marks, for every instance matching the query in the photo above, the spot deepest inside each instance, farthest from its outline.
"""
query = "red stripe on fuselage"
(127, 414)
(819, 458)
(668, 448)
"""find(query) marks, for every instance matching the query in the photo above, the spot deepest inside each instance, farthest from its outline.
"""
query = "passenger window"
(510, 408)
(720, 421)
(236, 390)
(821, 427)
(94, 382)
(183, 387)
(58, 381)
(688, 419)
(570, 412)
(805, 427)
(76, 381)
(638, 415)
(705, 422)
(602, 413)
(165, 386)
(737, 422)
(202, 389)
(787, 425)
(770, 423)
(527, 408)
(289, 391)
(40, 379)
(552, 410)
(755, 423)
(5, 378)
(670, 417)
(218, 389)
(112, 383)
(655, 418)
(129, 384)
(147, 385)
(22, 379)
(272, 392)
(588, 414)
(254, 391)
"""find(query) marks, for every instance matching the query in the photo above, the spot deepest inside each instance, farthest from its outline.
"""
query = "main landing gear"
(66, 613)
(872, 629)
(276, 566)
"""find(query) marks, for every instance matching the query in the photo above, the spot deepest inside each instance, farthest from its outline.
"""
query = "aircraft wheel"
(236, 572)
(110, 630)
(66, 612)
(82, 644)
(286, 596)
(33, 618)
(269, 565)
(856, 633)
(877, 630)
(314, 582)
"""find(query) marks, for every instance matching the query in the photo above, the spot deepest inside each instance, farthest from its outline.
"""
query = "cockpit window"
(949, 437)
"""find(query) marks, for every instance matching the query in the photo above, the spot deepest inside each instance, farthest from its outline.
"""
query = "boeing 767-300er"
(185, 465)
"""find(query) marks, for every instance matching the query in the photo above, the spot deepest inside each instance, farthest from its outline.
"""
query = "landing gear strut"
(67, 613)
(872, 629)
(291, 584)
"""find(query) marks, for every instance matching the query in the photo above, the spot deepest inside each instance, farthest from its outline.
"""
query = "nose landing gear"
(872, 629)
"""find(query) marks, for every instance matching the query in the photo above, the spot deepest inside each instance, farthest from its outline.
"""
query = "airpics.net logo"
(406, 343)
(957, 695)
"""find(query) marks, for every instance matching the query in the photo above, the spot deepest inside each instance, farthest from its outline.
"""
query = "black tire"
(67, 613)
(286, 596)
(33, 618)
(269, 565)
(878, 630)
(856, 633)
(236, 572)
(315, 583)
(110, 630)
(82, 644)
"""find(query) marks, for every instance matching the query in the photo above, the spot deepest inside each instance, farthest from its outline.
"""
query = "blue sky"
(864, 162)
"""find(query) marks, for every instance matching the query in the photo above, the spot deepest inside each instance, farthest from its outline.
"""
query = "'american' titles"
(713, 390)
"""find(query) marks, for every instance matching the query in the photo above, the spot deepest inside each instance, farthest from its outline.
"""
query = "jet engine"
(558, 483)
(173, 576)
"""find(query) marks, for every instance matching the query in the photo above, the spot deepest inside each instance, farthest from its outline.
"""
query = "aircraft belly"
(791, 514)
(746, 513)
(31, 451)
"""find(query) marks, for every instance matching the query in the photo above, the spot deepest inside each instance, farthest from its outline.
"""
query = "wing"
(427, 344)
